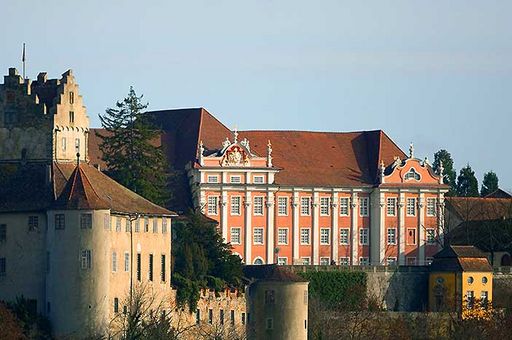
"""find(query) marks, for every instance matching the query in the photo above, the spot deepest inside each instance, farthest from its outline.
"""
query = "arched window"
(412, 174)
(258, 261)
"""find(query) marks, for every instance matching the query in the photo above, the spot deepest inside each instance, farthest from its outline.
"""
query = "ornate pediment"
(235, 155)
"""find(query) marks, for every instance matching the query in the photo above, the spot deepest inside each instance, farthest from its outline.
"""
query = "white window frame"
(391, 206)
(344, 206)
(235, 179)
(303, 235)
(344, 239)
(326, 261)
(236, 205)
(282, 260)
(282, 206)
(411, 206)
(391, 237)
(279, 236)
(86, 259)
(364, 208)
(325, 236)
(212, 179)
(258, 203)
(213, 205)
(364, 261)
(258, 179)
(344, 261)
(364, 234)
(306, 260)
(305, 206)
(258, 236)
(431, 236)
(238, 234)
(391, 261)
(431, 206)
(325, 203)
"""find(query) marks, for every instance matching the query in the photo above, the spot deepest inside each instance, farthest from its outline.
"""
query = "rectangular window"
(146, 224)
(60, 221)
(282, 206)
(363, 236)
(270, 323)
(3, 266)
(391, 236)
(162, 268)
(63, 143)
(431, 236)
(106, 221)
(221, 316)
(3, 232)
(232, 317)
(77, 144)
(236, 179)
(71, 97)
(305, 235)
(325, 236)
(137, 226)
(164, 225)
(344, 236)
(243, 318)
(116, 305)
(150, 272)
(325, 261)
(258, 236)
(155, 225)
(198, 316)
(344, 211)
(213, 205)
(391, 261)
(127, 225)
(484, 298)
(210, 316)
(71, 116)
(282, 236)
(235, 235)
(139, 273)
(118, 223)
(411, 236)
(470, 296)
(270, 297)
(258, 205)
(305, 206)
(85, 221)
(411, 261)
(344, 261)
(235, 205)
(431, 206)
(324, 206)
(306, 261)
(126, 261)
(411, 207)
(282, 261)
(114, 262)
(363, 206)
(212, 179)
(391, 206)
(259, 179)
(364, 261)
(33, 223)
(86, 259)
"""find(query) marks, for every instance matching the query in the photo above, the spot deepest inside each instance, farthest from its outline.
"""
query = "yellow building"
(459, 274)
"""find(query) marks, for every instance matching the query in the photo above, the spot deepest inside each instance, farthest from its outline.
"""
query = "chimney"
(13, 71)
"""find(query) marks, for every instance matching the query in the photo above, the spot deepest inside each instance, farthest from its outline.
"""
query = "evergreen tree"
(129, 151)
(489, 184)
(449, 173)
(467, 184)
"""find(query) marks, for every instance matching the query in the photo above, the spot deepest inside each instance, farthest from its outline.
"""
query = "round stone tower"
(277, 303)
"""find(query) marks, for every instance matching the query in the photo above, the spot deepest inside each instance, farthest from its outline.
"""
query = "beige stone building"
(72, 241)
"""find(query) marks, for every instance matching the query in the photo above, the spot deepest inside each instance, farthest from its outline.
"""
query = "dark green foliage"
(467, 184)
(202, 260)
(489, 184)
(337, 289)
(129, 151)
(35, 326)
(449, 173)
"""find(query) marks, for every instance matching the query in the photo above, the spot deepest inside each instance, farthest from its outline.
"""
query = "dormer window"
(71, 97)
(412, 174)
(71, 116)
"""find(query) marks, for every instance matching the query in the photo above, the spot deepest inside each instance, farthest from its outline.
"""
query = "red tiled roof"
(461, 258)
(480, 209)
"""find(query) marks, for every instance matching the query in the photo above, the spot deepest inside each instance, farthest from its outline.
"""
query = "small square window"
(325, 261)
(236, 179)
(344, 261)
(259, 179)
(282, 261)
(85, 221)
(213, 179)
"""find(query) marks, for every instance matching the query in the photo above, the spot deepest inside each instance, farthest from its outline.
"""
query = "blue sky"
(438, 73)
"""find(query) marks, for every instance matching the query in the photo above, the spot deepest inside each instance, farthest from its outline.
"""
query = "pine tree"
(449, 173)
(467, 184)
(129, 151)
(489, 184)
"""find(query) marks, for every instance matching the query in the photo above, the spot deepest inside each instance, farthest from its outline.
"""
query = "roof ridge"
(310, 131)
(82, 173)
